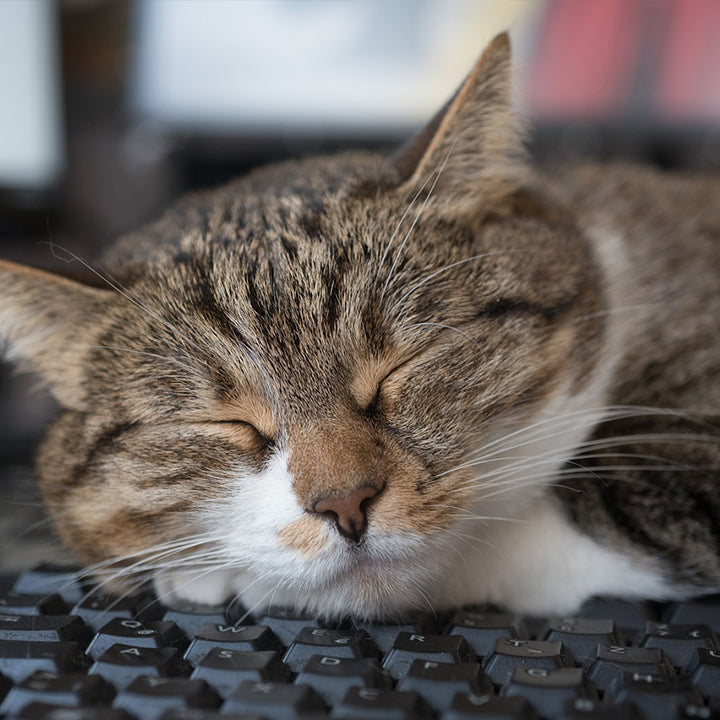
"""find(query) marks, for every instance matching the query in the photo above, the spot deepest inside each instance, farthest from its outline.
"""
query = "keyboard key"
(581, 636)
(225, 669)
(369, 703)
(19, 659)
(385, 634)
(582, 709)
(658, 698)
(430, 648)
(482, 630)
(489, 707)
(286, 623)
(510, 654)
(121, 664)
(611, 662)
(196, 714)
(97, 610)
(274, 701)
(549, 690)
(48, 578)
(237, 614)
(701, 611)
(192, 617)
(678, 642)
(46, 711)
(332, 677)
(231, 637)
(44, 628)
(437, 683)
(14, 603)
(629, 617)
(71, 690)
(5, 686)
(149, 697)
(334, 671)
(136, 633)
(334, 643)
(693, 712)
(704, 671)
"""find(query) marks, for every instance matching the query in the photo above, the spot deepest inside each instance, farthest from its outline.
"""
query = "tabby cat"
(361, 385)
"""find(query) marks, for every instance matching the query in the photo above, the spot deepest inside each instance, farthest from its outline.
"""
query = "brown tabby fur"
(306, 307)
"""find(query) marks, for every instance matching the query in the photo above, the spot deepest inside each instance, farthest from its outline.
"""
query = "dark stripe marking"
(106, 439)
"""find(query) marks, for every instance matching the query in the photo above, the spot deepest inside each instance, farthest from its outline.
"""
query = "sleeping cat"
(361, 385)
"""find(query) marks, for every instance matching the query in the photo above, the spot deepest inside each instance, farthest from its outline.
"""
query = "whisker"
(398, 252)
(400, 222)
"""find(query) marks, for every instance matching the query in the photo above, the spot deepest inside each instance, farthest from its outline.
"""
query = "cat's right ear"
(471, 152)
(48, 324)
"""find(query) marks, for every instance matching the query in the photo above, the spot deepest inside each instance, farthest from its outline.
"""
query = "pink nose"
(348, 510)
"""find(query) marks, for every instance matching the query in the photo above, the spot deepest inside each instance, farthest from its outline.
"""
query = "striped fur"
(472, 339)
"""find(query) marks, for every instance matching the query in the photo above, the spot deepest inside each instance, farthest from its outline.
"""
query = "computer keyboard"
(69, 655)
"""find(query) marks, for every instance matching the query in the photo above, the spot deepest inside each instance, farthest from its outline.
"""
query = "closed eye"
(371, 376)
(263, 439)
(373, 406)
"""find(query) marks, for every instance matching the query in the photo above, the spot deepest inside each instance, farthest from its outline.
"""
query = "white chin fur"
(339, 584)
(540, 564)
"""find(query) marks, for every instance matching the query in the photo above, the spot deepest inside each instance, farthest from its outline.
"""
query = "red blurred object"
(689, 71)
(581, 65)
(652, 62)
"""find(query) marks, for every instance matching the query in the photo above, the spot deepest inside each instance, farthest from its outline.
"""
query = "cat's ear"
(471, 152)
(48, 323)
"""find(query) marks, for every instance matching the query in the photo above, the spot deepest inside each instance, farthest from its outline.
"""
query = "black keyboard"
(69, 655)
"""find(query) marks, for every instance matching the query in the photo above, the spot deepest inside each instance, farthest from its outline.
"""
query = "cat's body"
(362, 385)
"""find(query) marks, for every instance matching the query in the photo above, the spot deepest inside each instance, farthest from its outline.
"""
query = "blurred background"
(113, 108)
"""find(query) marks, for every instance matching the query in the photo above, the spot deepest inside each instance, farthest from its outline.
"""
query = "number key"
(334, 643)
(134, 632)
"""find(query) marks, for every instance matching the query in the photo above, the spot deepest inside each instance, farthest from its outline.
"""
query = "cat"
(363, 385)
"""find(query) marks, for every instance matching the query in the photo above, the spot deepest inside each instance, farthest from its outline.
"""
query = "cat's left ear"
(48, 324)
(472, 150)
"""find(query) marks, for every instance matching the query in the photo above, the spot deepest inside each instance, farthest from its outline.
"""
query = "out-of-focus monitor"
(313, 67)
(31, 144)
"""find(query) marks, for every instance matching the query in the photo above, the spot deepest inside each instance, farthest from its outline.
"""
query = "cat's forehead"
(306, 275)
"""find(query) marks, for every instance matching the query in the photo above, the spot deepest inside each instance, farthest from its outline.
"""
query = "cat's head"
(309, 386)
